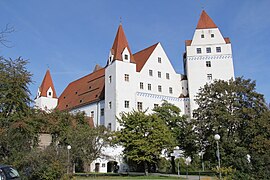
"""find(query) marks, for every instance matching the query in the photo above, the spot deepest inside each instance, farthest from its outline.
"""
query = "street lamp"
(217, 138)
(188, 160)
(68, 148)
(178, 154)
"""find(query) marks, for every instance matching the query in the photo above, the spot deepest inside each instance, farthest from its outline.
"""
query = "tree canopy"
(235, 111)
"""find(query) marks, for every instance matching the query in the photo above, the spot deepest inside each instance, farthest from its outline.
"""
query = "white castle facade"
(143, 80)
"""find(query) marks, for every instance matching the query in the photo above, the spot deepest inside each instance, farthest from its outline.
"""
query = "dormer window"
(202, 35)
(50, 93)
(212, 35)
(126, 57)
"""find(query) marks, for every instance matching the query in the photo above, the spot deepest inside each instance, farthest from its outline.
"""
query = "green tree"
(143, 137)
(239, 114)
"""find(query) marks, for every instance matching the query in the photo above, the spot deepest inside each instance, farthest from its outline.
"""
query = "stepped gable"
(119, 44)
(46, 84)
(205, 22)
(88, 89)
(142, 56)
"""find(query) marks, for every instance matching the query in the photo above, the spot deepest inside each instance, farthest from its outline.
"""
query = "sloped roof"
(119, 44)
(205, 22)
(142, 56)
(46, 84)
(85, 90)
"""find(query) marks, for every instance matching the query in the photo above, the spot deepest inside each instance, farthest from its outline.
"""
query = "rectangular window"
(218, 49)
(159, 74)
(199, 50)
(159, 59)
(208, 63)
(202, 35)
(127, 77)
(110, 79)
(110, 126)
(159, 88)
(155, 105)
(209, 77)
(126, 104)
(126, 57)
(212, 35)
(110, 105)
(150, 72)
(141, 85)
(102, 112)
(167, 76)
(92, 114)
(149, 87)
(139, 106)
(208, 50)
(170, 90)
(103, 165)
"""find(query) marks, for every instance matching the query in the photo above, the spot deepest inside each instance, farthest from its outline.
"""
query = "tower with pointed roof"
(119, 78)
(208, 57)
(46, 98)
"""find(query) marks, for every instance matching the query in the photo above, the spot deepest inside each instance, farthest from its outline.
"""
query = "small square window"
(218, 49)
(199, 50)
(141, 85)
(208, 50)
(103, 165)
(155, 105)
(159, 88)
(159, 59)
(167, 76)
(170, 90)
(202, 35)
(212, 35)
(150, 72)
(126, 104)
(209, 77)
(208, 63)
(126, 57)
(149, 87)
(127, 77)
(139, 106)
(159, 74)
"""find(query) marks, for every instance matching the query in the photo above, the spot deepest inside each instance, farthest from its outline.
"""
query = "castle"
(144, 79)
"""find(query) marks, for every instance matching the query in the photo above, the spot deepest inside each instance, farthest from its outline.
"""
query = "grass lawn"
(125, 177)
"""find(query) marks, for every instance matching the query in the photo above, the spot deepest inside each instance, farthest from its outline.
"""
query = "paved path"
(189, 177)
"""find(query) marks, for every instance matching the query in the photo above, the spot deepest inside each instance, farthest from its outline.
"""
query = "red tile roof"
(227, 40)
(188, 42)
(46, 84)
(142, 56)
(120, 43)
(205, 22)
(88, 89)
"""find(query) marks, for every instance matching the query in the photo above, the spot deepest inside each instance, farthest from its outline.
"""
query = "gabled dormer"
(120, 50)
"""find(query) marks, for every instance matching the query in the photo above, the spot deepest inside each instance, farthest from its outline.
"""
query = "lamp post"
(178, 170)
(188, 160)
(68, 148)
(217, 138)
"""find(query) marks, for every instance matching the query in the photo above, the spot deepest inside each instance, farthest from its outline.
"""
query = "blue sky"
(71, 37)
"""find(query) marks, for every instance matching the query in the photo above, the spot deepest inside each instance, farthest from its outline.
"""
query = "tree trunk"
(145, 168)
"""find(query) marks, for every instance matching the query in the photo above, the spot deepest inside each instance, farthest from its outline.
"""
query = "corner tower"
(46, 98)
(120, 80)
(208, 57)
